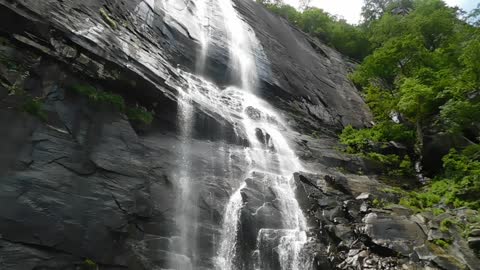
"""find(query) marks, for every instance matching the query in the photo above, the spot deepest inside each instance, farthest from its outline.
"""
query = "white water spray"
(184, 211)
(241, 46)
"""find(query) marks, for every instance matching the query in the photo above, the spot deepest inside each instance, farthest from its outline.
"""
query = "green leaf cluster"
(459, 186)
(100, 97)
(346, 38)
(34, 107)
(419, 74)
(423, 74)
(137, 113)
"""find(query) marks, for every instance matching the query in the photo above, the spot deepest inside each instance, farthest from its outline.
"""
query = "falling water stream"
(269, 152)
(186, 214)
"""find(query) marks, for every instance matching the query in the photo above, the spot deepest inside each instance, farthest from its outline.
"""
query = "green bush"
(137, 113)
(359, 140)
(100, 97)
(442, 243)
(446, 224)
(419, 201)
(437, 211)
(458, 187)
(140, 114)
(34, 107)
(90, 264)
(461, 182)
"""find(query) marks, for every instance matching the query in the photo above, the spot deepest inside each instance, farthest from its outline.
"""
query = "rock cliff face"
(88, 187)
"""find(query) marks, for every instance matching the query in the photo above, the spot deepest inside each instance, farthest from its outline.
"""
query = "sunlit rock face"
(236, 92)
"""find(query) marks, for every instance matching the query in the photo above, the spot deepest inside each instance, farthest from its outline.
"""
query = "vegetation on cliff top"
(420, 75)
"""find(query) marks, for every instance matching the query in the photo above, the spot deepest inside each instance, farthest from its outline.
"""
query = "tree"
(303, 4)
(474, 16)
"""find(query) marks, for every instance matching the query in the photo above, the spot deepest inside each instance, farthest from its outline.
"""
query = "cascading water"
(271, 159)
(204, 19)
(269, 152)
(240, 47)
(186, 212)
(272, 156)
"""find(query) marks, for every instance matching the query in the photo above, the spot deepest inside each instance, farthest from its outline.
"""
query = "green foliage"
(416, 99)
(111, 22)
(90, 264)
(137, 113)
(420, 71)
(395, 190)
(446, 224)
(359, 140)
(442, 243)
(372, 10)
(379, 203)
(418, 201)
(459, 115)
(474, 16)
(100, 97)
(424, 70)
(437, 211)
(362, 142)
(462, 178)
(458, 187)
(34, 107)
(140, 114)
(348, 39)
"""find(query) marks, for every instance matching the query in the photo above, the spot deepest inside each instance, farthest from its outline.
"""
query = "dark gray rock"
(474, 243)
(395, 232)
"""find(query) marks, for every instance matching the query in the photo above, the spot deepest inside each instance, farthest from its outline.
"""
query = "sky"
(351, 9)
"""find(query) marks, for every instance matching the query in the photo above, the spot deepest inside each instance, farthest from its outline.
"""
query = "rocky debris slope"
(352, 231)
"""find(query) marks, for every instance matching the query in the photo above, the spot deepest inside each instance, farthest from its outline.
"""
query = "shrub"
(442, 243)
(359, 140)
(418, 201)
(138, 113)
(446, 224)
(100, 97)
(34, 107)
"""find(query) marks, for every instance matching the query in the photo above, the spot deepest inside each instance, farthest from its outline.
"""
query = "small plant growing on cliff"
(137, 113)
(90, 264)
(100, 97)
(446, 224)
(108, 19)
(442, 243)
(34, 107)
(140, 113)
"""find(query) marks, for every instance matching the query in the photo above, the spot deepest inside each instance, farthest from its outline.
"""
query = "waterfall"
(272, 161)
(184, 212)
(241, 46)
(204, 35)
(269, 153)
(229, 233)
